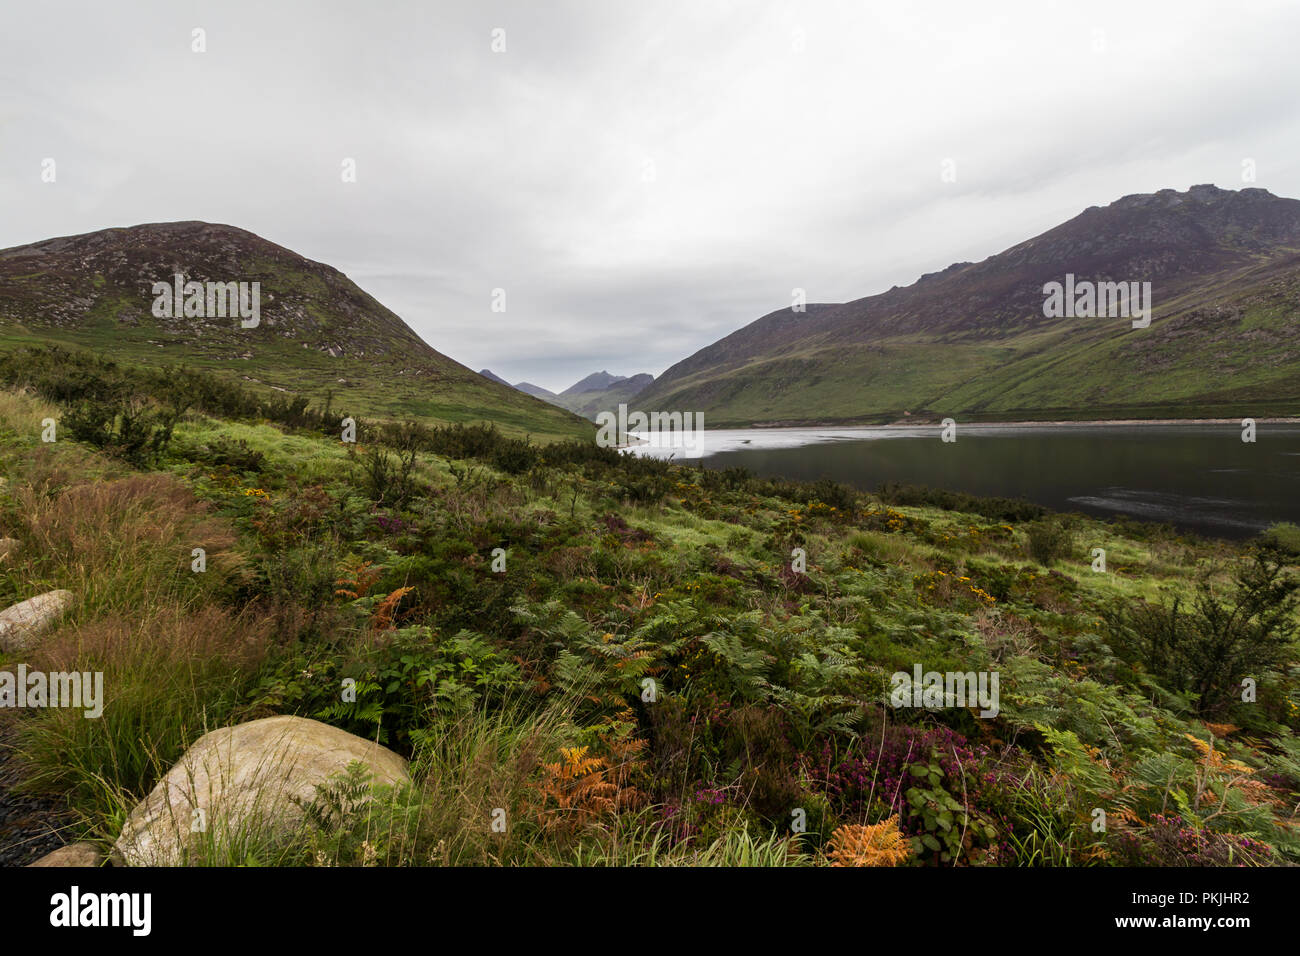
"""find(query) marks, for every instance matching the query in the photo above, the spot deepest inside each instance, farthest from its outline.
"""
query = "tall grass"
(468, 774)
(170, 675)
(120, 546)
(174, 661)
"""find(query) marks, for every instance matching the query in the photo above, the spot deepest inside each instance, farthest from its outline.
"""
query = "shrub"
(995, 509)
(129, 426)
(1206, 650)
(1282, 538)
(514, 456)
(1048, 541)
(224, 452)
(931, 778)
(387, 476)
(835, 494)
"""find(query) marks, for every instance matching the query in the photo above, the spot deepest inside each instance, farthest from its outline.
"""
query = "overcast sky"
(641, 178)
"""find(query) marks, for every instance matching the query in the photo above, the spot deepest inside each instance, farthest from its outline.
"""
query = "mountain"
(635, 383)
(537, 391)
(973, 340)
(595, 382)
(598, 392)
(316, 331)
(488, 374)
(602, 392)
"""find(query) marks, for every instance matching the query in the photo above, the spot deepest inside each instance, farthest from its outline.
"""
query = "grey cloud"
(773, 168)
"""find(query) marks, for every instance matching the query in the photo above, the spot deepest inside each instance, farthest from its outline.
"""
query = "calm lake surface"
(1199, 477)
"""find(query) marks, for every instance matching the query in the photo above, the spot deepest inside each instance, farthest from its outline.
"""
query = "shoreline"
(1101, 422)
(1007, 424)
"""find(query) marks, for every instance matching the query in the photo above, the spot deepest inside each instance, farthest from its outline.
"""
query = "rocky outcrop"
(23, 623)
(243, 779)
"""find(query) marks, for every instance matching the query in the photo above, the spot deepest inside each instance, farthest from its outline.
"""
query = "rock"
(245, 776)
(74, 854)
(21, 624)
(9, 548)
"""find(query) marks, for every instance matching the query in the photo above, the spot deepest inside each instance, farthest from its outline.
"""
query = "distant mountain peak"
(545, 394)
(595, 382)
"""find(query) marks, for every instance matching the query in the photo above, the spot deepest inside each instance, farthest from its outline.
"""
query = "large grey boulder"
(242, 779)
(21, 624)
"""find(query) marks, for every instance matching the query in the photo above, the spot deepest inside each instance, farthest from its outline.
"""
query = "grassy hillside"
(319, 334)
(653, 677)
(363, 388)
(972, 341)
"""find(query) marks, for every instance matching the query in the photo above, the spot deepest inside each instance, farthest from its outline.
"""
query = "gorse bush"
(388, 477)
(1282, 538)
(514, 456)
(1204, 649)
(129, 426)
(1048, 541)
(236, 454)
(995, 509)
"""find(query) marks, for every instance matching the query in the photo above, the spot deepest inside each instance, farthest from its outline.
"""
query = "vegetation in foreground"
(649, 678)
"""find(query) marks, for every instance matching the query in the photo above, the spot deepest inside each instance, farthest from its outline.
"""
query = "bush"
(835, 494)
(100, 392)
(995, 509)
(1173, 841)
(387, 476)
(1283, 539)
(130, 426)
(1048, 540)
(225, 452)
(1206, 651)
(514, 456)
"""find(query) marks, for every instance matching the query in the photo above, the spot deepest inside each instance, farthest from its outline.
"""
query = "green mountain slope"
(318, 331)
(973, 341)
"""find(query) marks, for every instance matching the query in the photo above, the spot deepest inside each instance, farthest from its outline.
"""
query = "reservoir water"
(1199, 477)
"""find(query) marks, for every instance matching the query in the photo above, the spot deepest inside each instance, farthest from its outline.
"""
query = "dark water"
(1198, 477)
